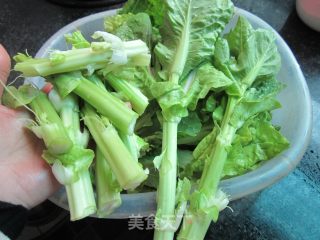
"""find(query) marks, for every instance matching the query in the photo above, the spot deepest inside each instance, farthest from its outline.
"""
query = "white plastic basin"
(294, 117)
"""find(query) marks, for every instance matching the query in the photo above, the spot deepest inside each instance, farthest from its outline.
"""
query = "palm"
(24, 174)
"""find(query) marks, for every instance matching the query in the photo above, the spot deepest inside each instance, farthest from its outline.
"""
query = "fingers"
(5, 65)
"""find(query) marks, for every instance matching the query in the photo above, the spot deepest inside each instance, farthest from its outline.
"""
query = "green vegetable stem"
(250, 59)
(128, 172)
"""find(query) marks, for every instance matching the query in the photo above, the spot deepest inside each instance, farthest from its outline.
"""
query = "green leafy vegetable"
(252, 67)
(191, 29)
(162, 90)
(258, 140)
(199, 84)
(189, 32)
(189, 126)
(155, 8)
(130, 27)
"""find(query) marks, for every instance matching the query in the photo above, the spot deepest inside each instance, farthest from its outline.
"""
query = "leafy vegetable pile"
(169, 102)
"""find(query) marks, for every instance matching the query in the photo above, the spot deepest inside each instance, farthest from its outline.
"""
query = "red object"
(47, 88)
(309, 12)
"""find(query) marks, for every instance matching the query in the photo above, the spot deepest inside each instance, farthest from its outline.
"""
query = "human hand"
(25, 178)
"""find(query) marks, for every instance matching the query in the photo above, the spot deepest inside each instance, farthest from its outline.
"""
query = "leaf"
(170, 98)
(270, 139)
(183, 190)
(206, 78)
(16, 97)
(259, 57)
(217, 114)
(144, 121)
(205, 144)
(245, 110)
(78, 157)
(153, 177)
(133, 6)
(112, 23)
(184, 157)
(155, 8)
(158, 159)
(189, 126)
(182, 196)
(239, 35)
(210, 104)
(154, 139)
(142, 145)
(201, 154)
(247, 55)
(190, 28)
(262, 89)
(130, 27)
(67, 166)
(221, 55)
(148, 122)
(258, 140)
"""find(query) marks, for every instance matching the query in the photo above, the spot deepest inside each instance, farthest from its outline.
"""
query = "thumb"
(5, 65)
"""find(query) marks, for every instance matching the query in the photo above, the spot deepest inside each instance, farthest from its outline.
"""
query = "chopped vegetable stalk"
(55, 98)
(81, 197)
(106, 104)
(80, 193)
(198, 220)
(138, 101)
(69, 114)
(167, 181)
(211, 175)
(118, 113)
(96, 80)
(99, 55)
(70, 162)
(108, 189)
(50, 128)
(172, 223)
(195, 226)
(128, 172)
(130, 141)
